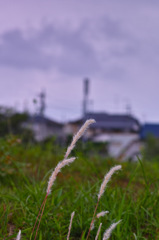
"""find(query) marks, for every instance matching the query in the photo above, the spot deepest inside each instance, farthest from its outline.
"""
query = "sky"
(54, 45)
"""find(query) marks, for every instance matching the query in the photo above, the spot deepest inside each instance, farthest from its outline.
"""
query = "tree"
(151, 151)
(11, 121)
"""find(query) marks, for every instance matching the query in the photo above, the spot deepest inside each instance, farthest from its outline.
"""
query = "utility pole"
(42, 107)
(85, 100)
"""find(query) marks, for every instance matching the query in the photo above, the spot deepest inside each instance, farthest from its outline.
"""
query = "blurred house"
(120, 131)
(43, 127)
(123, 134)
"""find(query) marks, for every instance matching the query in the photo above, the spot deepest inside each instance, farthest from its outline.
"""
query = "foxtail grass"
(77, 136)
(66, 161)
(99, 229)
(58, 168)
(108, 232)
(101, 214)
(69, 229)
(19, 235)
(107, 178)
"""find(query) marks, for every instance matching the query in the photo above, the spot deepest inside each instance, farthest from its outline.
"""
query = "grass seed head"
(107, 179)
(78, 135)
(19, 235)
(58, 168)
(98, 231)
(108, 232)
(102, 214)
(69, 229)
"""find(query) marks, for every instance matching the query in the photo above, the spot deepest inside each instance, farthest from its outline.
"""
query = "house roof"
(149, 129)
(47, 121)
(106, 121)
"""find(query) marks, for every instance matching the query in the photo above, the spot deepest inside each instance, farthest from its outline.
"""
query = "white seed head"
(78, 135)
(106, 180)
(102, 214)
(108, 232)
(69, 229)
(98, 231)
(92, 226)
(56, 171)
(19, 235)
(69, 149)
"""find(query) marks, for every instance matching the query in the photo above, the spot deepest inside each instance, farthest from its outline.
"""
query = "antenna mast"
(42, 107)
(85, 100)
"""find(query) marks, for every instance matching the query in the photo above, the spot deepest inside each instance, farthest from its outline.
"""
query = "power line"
(65, 108)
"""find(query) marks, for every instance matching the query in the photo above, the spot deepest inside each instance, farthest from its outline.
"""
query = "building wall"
(133, 151)
(122, 145)
(119, 144)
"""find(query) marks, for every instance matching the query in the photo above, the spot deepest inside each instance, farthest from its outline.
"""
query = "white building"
(120, 131)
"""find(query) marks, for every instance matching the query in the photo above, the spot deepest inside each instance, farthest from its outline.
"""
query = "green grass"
(132, 195)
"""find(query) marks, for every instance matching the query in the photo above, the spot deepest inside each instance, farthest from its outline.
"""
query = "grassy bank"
(132, 195)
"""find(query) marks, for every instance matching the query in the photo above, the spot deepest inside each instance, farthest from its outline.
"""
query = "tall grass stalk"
(108, 232)
(69, 229)
(19, 235)
(101, 214)
(101, 191)
(107, 179)
(77, 136)
(96, 238)
(58, 168)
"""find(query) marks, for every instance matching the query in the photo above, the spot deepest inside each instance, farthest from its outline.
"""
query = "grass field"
(132, 194)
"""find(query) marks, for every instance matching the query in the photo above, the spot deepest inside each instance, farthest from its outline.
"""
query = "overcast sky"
(55, 44)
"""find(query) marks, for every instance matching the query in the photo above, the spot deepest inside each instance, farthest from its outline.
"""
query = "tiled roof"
(41, 119)
(113, 121)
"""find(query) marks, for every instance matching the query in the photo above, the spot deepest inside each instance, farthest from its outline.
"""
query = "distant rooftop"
(121, 122)
(43, 119)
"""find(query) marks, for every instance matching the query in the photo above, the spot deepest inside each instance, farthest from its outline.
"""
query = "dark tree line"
(11, 122)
